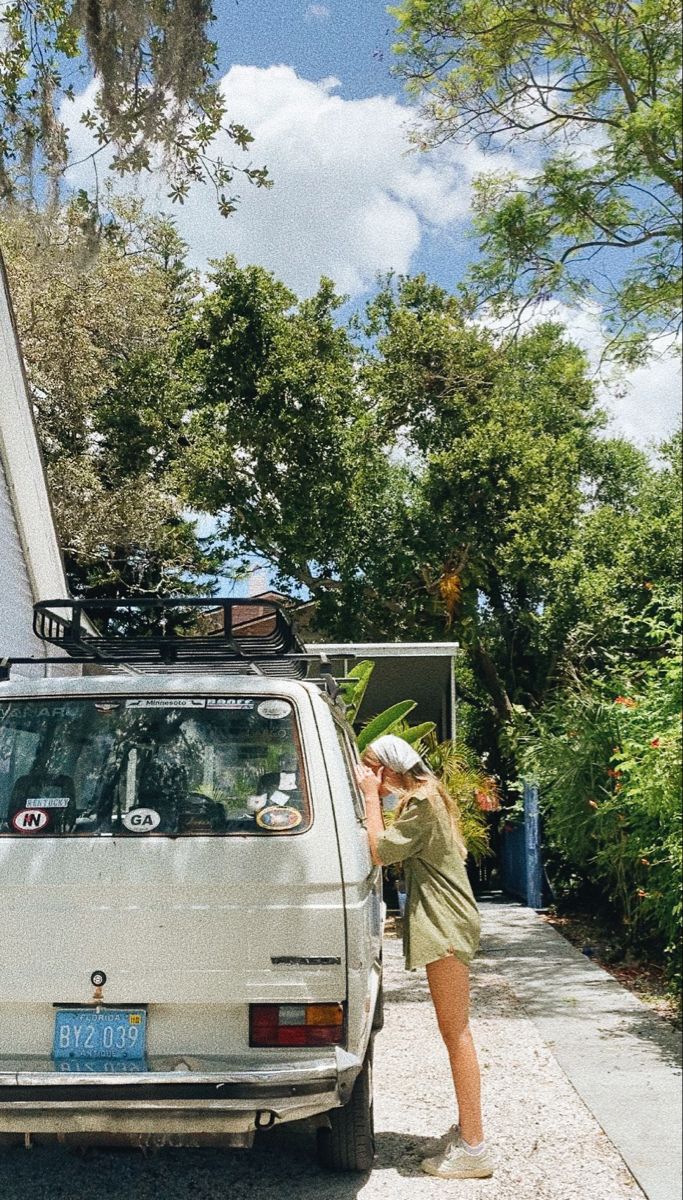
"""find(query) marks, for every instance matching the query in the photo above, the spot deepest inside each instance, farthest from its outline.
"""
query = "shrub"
(607, 755)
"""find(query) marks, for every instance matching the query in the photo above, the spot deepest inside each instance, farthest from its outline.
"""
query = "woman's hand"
(369, 783)
(368, 780)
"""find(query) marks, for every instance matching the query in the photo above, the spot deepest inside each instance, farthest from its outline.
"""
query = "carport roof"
(420, 671)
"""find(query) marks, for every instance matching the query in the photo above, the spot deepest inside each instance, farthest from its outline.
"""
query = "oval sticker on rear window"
(274, 710)
(141, 820)
(276, 819)
(28, 820)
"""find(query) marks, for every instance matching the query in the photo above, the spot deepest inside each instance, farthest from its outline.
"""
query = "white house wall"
(16, 597)
(31, 565)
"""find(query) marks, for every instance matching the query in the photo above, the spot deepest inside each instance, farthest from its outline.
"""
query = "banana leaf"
(384, 722)
(352, 693)
(415, 733)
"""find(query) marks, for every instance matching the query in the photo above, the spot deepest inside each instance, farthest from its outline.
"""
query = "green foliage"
(354, 688)
(607, 754)
(388, 721)
(109, 424)
(281, 446)
(591, 93)
(156, 99)
(460, 771)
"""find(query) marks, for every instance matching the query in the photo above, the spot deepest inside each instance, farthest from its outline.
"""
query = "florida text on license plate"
(105, 1033)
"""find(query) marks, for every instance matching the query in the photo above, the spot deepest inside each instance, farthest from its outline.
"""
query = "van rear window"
(150, 766)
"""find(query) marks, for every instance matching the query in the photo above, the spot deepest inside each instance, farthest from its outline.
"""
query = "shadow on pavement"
(282, 1163)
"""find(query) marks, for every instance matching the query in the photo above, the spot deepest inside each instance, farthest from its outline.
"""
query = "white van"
(190, 941)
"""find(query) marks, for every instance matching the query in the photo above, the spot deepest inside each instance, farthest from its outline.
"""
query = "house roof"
(23, 464)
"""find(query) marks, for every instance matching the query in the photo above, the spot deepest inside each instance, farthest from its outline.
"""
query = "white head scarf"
(398, 755)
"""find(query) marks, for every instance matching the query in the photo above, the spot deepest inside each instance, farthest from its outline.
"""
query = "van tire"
(349, 1143)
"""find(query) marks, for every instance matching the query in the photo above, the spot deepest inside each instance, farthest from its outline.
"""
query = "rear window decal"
(276, 819)
(164, 702)
(279, 798)
(30, 820)
(141, 820)
(254, 803)
(234, 702)
(47, 802)
(274, 710)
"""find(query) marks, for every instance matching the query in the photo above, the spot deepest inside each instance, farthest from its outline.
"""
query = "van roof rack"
(153, 633)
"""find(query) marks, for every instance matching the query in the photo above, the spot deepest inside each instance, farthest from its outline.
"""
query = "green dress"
(441, 914)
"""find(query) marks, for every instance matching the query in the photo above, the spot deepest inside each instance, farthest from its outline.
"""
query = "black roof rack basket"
(235, 636)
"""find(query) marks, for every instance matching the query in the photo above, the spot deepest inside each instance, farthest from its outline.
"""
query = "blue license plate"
(105, 1034)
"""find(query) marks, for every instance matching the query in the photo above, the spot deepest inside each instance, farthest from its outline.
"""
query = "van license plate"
(107, 1033)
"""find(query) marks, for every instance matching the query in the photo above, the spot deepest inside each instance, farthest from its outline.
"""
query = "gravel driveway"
(548, 1145)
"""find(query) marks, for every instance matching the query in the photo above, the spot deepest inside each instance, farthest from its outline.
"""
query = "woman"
(441, 925)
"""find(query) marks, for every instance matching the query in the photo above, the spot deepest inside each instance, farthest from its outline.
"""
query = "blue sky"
(347, 38)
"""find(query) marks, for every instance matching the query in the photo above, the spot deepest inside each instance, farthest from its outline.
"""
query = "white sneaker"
(454, 1162)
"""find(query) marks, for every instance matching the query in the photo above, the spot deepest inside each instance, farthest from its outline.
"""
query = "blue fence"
(521, 854)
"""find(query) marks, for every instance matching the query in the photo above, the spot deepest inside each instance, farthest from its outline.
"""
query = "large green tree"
(155, 99)
(591, 93)
(97, 325)
(281, 447)
(428, 478)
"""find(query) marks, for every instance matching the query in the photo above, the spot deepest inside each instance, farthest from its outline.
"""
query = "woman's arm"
(374, 821)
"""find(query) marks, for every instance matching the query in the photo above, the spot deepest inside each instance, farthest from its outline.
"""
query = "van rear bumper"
(192, 1095)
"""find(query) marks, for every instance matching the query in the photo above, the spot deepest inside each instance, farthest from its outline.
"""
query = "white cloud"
(350, 199)
(318, 12)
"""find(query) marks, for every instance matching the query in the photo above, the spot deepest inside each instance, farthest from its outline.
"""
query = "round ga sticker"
(29, 820)
(278, 818)
(141, 820)
(274, 710)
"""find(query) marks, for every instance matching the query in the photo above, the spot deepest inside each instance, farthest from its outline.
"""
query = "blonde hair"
(418, 783)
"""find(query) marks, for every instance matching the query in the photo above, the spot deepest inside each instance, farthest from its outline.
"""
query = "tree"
(591, 92)
(96, 326)
(156, 98)
(280, 446)
(427, 479)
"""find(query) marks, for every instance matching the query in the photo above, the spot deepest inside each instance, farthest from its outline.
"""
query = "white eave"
(384, 649)
(23, 464)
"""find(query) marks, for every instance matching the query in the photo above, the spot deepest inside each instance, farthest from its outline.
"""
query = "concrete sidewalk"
(623, 1060)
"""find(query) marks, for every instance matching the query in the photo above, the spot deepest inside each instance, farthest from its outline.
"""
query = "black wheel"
(349, 1145)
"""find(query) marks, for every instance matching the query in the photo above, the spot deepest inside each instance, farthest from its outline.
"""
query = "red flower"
(656, 743)
(627, 701)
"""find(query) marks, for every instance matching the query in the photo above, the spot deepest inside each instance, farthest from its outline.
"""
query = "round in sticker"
(30, 820)
(274, 710)
(278, 818)
(141, 820)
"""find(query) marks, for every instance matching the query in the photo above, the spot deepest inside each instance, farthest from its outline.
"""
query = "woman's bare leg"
(449, 984)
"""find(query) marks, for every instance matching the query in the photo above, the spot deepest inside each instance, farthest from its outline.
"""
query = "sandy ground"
(547, 1145)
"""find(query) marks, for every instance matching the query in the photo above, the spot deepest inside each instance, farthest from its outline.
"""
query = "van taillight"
(296, 1024)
